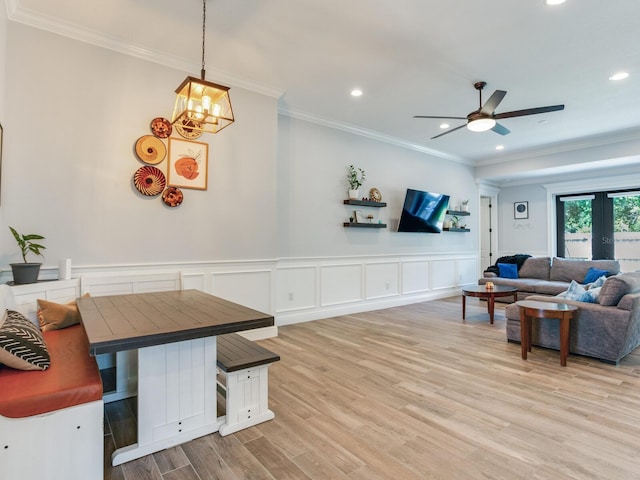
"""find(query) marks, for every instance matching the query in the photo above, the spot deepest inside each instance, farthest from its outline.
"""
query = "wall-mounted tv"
(423, 212)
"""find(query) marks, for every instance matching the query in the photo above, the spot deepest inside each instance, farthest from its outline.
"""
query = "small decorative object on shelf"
(370, 218)
(465, 205)
(375, 195)
(355, 179)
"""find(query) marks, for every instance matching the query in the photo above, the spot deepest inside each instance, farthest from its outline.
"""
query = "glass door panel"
(626, 229)
(578, 227)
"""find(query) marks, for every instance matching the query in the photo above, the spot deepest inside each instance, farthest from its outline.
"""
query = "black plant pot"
(24, 273)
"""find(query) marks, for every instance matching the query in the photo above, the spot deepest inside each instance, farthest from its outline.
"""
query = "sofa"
(607, 330)
(544, 275)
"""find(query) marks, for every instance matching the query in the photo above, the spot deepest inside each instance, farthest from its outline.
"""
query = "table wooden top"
(124, 322)
(550, 306)
(483, 290)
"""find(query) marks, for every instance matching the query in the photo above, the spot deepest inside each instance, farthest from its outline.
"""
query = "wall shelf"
(458, 213)
(456, 230)
(364, 225)
(364, 203)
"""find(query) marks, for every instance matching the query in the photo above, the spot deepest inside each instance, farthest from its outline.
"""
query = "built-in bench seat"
(243, 381)
(51, 422)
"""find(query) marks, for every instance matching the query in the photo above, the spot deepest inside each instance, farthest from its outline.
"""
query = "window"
(600, 225)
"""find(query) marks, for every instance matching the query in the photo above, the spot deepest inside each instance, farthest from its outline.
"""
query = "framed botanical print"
(188, 165)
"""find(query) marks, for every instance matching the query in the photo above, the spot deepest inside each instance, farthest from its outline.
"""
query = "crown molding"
(19, 14)
(567, 147)
(363, 132)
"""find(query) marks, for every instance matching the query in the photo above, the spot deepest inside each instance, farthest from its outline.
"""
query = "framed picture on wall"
(188, 165)
(520, 210)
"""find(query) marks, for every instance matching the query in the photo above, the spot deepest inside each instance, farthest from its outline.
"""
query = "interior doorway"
(488, 232)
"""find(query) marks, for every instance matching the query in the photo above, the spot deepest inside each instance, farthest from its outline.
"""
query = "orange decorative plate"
(149, 181)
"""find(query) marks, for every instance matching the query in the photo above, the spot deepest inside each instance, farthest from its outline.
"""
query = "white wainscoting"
(293, 290)
(310, 289)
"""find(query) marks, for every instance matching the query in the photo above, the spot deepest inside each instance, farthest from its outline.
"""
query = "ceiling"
(410, 57)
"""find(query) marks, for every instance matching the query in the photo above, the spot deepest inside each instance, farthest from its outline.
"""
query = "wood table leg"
(564, 340)
(524, 334)
(464, 305)
(491, 302)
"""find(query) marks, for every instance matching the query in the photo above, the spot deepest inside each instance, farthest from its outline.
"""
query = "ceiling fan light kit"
(484, 118)
(481, 124)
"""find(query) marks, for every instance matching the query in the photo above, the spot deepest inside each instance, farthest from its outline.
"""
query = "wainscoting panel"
(415, 276)
(444, 273)
(249, 288)
(340, 284)
(382, 280)
(468, 271)
(194, 281)
(296, 288)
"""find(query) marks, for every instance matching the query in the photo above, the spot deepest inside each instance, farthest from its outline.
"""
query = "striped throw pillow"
(21, 343)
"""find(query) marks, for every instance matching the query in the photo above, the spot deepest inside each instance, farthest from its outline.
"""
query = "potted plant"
(355, 179)
(465, 205)
(26, 272)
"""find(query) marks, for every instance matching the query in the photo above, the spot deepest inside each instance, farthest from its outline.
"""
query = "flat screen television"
(423, 212)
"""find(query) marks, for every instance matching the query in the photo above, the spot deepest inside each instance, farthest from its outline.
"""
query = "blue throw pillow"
(594, 274)
(508, 270)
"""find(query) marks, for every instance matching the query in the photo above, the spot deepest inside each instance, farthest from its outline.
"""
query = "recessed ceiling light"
(499, 147)
(444, 125)
(356, 92)
(554, 2)
(619, 76)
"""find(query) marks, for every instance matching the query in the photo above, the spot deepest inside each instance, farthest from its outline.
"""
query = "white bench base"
(247, 398)
(63, 444)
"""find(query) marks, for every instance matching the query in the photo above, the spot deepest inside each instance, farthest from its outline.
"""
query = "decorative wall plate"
(150, 149)
(172, 196)
(161, 127)
(375, 195)
(185, 128)
(149, 180)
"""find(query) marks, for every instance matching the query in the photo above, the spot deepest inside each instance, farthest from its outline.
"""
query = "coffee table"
(532, 309)
(490, 294)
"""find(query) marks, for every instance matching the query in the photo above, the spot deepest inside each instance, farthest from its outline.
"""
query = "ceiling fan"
(485, 117)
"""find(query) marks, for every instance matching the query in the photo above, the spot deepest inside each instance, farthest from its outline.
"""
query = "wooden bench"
(243, 381)
(51, 422)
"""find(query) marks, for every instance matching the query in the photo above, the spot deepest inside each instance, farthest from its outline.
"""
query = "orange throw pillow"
(54, 316)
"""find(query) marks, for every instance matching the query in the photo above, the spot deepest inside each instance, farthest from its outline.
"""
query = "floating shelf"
(459, 213)
(364, 225)
(365, 203)
(456, 230)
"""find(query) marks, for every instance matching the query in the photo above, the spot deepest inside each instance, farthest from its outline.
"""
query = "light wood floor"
(414, 393)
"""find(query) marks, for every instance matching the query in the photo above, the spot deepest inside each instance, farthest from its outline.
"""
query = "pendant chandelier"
(202, 106)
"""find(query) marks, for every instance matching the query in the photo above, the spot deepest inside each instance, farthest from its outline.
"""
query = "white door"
(487, 232)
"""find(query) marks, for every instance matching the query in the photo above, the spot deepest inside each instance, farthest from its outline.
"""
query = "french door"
(600, 225)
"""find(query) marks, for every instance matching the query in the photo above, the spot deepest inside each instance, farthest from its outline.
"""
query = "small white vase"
(353, 194)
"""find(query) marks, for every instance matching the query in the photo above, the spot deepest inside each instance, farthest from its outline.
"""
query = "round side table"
(530, 309)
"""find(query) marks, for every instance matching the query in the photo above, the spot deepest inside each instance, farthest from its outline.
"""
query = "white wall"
(76, 112)
(268, 231)
(523, 235)
(3, 81)
(312, 171)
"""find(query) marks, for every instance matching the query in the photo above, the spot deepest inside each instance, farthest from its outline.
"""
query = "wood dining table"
(174, 334)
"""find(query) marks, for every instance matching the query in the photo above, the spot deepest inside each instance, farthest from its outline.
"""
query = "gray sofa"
(542, 276)
(607, 330)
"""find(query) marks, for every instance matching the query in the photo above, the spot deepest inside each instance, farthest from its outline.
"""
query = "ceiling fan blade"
(529, 111)
(494, 100)
(502, 130)
(449, 131)
(452, 118)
